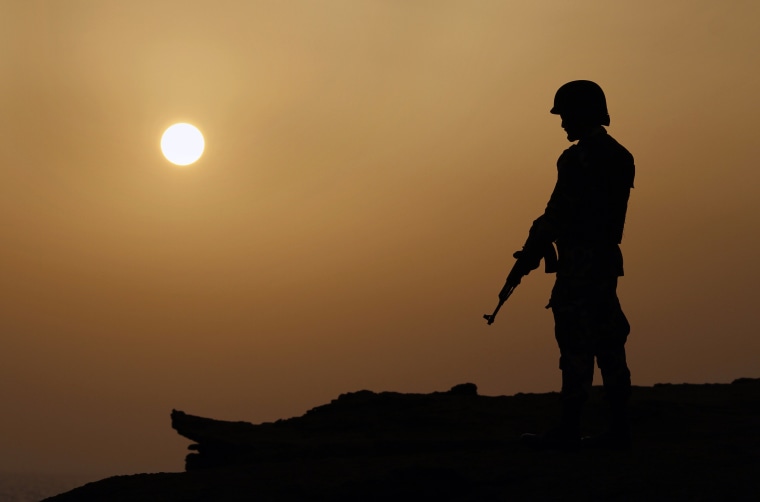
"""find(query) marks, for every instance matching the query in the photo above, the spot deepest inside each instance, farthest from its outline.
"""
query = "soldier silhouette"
(584, 217)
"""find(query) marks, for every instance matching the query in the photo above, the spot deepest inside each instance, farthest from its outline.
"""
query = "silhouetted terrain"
(34, 486)
(692, 442)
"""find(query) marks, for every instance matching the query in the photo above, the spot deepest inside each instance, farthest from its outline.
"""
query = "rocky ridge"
(692, 442)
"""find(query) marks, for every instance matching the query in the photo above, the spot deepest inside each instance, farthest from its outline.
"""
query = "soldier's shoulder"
(615, 149)
(621, 157)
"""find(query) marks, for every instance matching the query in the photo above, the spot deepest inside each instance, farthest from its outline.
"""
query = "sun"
(182, 144)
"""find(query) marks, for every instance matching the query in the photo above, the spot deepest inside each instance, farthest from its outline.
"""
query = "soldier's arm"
(547, 227)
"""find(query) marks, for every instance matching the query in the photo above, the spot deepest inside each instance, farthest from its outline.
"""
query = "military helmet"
(582, 98)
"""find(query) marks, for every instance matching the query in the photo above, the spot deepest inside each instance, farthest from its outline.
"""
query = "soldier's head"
(582, 106)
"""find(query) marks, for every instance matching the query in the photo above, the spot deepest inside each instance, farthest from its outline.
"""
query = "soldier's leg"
(569, 303)
(577, 365)
(613, 329)
(616, 376)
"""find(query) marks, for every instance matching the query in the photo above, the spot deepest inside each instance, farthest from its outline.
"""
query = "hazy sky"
(370, 167)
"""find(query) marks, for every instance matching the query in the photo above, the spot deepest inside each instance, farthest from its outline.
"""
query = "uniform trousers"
(590, 325)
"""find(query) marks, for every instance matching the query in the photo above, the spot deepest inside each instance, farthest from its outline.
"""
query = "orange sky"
(369, 169)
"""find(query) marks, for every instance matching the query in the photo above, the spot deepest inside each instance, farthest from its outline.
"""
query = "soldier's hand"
(526, 261)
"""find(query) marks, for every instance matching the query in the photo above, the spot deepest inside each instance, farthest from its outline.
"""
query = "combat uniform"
(585, 216)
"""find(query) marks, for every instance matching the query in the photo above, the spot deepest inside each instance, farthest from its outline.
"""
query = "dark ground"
(691, 442)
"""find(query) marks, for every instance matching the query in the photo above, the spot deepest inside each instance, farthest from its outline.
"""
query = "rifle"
(550, 266)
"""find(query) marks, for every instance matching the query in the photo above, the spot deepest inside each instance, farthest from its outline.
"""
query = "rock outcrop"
(361, 423)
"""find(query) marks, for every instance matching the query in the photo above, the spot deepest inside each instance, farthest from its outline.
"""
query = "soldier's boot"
(618, 435)
(565, 436)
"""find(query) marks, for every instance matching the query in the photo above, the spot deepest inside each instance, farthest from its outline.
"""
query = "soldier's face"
(574, 127)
